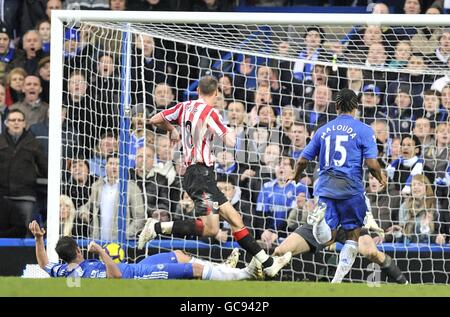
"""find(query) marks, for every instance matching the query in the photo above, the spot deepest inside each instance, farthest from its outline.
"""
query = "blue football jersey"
(342, 146)
(86, 269)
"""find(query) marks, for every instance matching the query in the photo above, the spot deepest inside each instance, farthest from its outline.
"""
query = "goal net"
(278, 75)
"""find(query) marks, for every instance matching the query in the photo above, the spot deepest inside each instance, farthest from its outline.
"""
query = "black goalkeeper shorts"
(200, 184)
(305, 231)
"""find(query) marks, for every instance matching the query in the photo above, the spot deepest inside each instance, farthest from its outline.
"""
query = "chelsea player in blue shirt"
(167, 265)
(342, 145)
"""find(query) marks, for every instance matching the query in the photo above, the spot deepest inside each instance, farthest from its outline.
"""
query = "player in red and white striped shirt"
(199, 123)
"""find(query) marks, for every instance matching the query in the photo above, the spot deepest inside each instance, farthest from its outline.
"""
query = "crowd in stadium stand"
(274, 105)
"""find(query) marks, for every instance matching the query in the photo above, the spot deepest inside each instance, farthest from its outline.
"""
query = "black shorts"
(200, 184)
(305, 231)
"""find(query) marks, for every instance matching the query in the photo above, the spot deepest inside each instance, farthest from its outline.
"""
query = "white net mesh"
(270, 77)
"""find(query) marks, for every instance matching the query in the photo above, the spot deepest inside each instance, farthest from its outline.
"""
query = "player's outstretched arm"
(375, 170)
(38, 234)
(112, 270)
(301, 165)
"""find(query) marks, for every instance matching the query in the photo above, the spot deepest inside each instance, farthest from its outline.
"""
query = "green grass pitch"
(15, 286)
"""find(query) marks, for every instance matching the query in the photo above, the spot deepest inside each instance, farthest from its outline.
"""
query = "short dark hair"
(67, 249)
(346, 100)
(208, 85)
(16, 111)
(416, 140)
(432, 92)
(291, 161)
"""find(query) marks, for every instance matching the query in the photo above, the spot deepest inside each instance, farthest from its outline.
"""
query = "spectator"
(32, 45)
(382, 133)
(320, 110)
(417, 215)
(423, 130)
(384, 203)
(107, 145)
(369, 109)
(164, 157)
(402, 170)
(445, 99)
(355, 81)
(67, 215)
(264, 171)
(233, 193)
(86, 5)
(138, 132)
(3, 108)
(32, 13)
(414, 81)
(43, 28)
(226, 88)
(400, 113)
(313, 52)
(360, 42)
(262, 96)
(150, 5)
(153, 64)
(14, 85)
(10, 57)
(439, 58)
(79, 184)
(118, 5)
(298, 136)
(103, 206)
(436, 158)
(244, 150)
(163, 97)
(21, 163)
(267, 117)
(432, 109)
(426, 40)
(105, 89)
(52, 5)
(211, 5)
(277, 196)
(288, 117)
(402, 54)
(441, 82)
(154, 186)
(395, 149)
(44, 75)
(320, 76)
(299, 211)
(32, 106)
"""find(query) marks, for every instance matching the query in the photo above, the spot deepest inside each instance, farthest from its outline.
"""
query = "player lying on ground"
(167, 265)
(342, 145)
(199, 123)
(302, 241)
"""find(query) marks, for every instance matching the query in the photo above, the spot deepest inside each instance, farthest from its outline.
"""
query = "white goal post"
(197, 29)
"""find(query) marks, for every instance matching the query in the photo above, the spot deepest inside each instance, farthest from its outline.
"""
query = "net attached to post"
(277, 85)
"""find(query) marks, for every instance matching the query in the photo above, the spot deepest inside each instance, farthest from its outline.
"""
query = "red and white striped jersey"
(198, 122)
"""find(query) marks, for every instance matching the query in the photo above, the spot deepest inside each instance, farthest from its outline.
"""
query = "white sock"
(223, 273)
(202, 262)
(166, 227)
(262, 256)
(322, 232)
(346, 259)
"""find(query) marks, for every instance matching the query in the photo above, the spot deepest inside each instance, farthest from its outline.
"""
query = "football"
(115, 251)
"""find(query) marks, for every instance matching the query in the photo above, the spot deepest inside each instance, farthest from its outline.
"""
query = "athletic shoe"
(233, 258)
(148, 233)
(278, 263)
(254, 268)
(317, 214)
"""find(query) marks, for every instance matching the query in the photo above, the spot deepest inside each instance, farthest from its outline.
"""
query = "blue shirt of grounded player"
(90, 269)
(275, 201)
(342, 146)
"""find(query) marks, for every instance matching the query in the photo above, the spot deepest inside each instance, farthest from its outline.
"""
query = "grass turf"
(14, 286)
